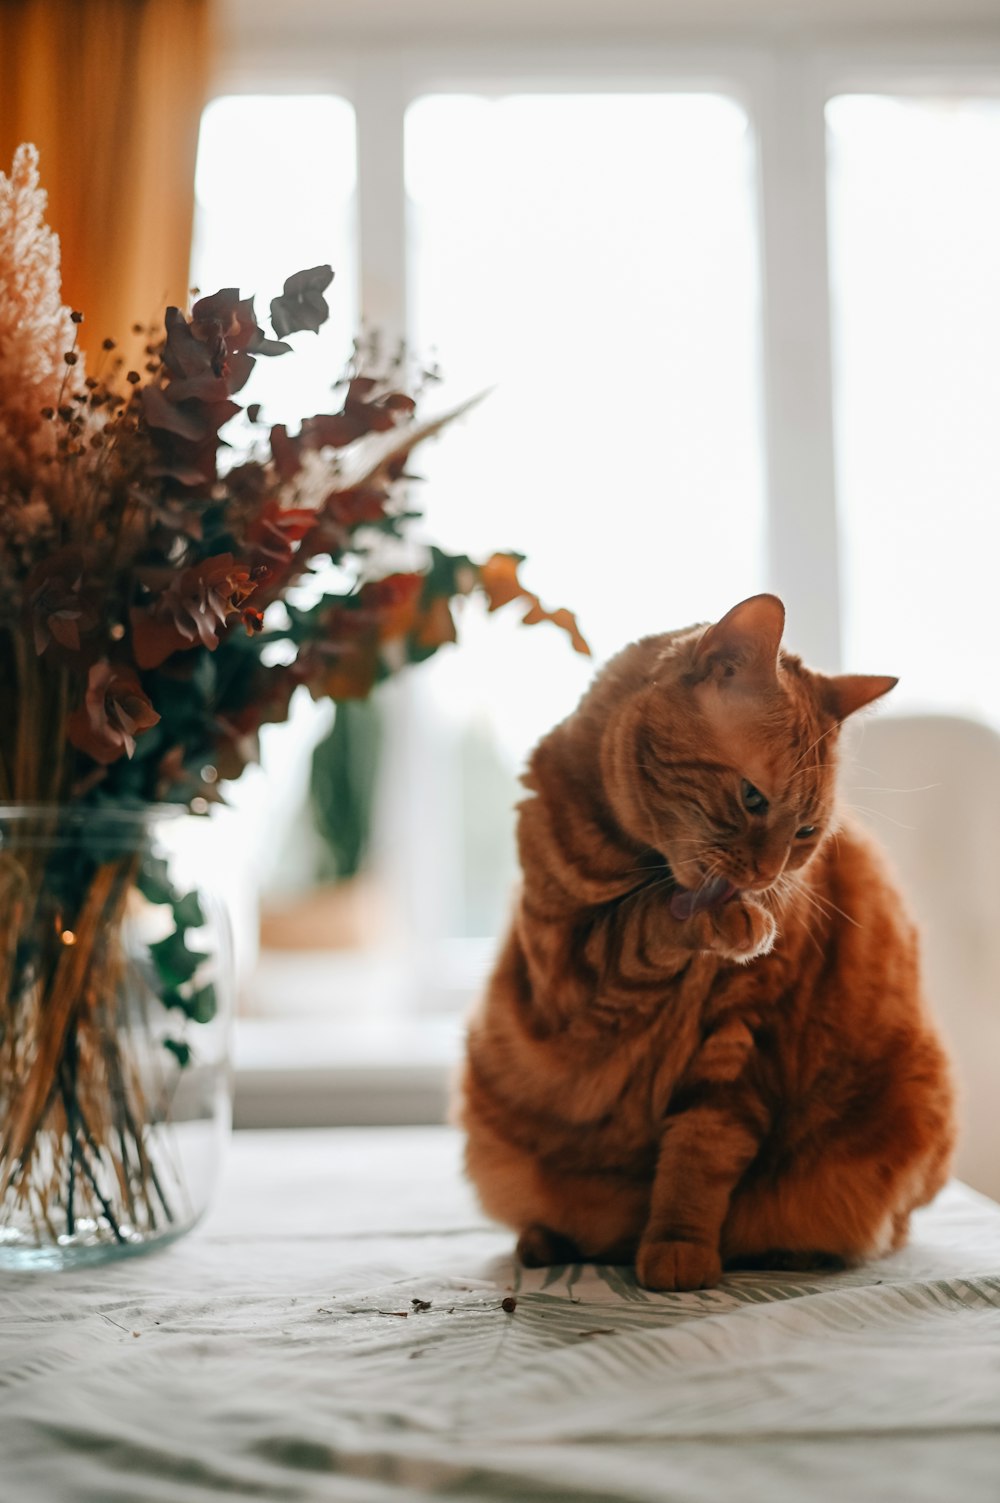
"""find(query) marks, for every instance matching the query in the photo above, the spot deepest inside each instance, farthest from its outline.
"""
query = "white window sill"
(316, 1073)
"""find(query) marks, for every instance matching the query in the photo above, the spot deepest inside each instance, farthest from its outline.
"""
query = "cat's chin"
(687, 901)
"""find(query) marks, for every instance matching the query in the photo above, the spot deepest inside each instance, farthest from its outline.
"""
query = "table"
(335, 1330)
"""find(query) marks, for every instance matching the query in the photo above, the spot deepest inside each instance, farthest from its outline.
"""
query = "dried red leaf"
(62, 602)
(274, 531)
(285, 452)
(301, 304)
(183, 354)
(436, 625)
(564, 619)
(393, 602)
(193, 608)
(114, 712)
(160, 412)
(342, 670)
(334, 430)
(498, 577)
(361, 503)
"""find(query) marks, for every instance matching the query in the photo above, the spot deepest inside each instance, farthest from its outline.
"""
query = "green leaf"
(188, 912)
(171, 997)
(153, 880)
(203, 1005)
(200, 1006)
(205, 676)
(342, 785)
(180, 1051)
(150, 743)
(442, 578)
(174, 961)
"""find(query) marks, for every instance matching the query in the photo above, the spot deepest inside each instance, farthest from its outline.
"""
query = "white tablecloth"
(334, 1330)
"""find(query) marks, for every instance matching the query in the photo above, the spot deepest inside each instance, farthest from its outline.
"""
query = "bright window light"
(276, 189)
(592, 259)
(275, 193)
(915, 247)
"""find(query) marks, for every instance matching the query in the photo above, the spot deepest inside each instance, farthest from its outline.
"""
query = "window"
(591, 260)
(915, 243)
(738, 311)
(248, 145)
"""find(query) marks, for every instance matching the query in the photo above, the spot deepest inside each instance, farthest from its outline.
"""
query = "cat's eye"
(806, 832)
(753, 799)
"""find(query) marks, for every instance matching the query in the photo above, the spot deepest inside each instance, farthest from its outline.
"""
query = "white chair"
(929, 787)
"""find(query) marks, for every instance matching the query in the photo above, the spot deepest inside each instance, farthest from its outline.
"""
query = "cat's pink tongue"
(688, 901)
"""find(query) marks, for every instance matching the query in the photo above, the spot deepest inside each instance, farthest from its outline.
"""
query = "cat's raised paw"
(678, 1265)
(739, 930)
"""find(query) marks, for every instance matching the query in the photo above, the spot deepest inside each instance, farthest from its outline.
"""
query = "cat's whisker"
(811, 937)
(924, 788)
(819, 738)
(645, 888)
(697, 850)
(800, 772)
(827, 904)
(804, 913)
(880, 814)
(785, 889)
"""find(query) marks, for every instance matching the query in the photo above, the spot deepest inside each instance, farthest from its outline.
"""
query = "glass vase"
(115, 1004)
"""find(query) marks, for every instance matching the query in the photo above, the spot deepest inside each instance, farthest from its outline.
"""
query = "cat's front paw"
(678, 1265)
(740, 929)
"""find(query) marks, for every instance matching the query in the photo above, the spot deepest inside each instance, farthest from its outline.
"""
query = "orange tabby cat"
(705, 1042)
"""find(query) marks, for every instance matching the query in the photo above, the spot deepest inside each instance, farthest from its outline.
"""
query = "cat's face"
(726, 762)
(744, 794)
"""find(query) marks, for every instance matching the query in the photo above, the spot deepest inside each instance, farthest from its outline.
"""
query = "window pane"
(275, 192)
(592, 258)
(915, 247)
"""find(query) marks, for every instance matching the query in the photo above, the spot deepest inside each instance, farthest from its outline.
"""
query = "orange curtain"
(111, 92)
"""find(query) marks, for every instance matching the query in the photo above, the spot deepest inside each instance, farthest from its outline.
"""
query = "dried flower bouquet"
(153, 616)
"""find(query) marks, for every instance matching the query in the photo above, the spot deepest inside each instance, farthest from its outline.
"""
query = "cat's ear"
(848, 692)
(745, 642)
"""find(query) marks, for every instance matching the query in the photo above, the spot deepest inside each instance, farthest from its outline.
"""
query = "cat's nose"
(766, 872)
